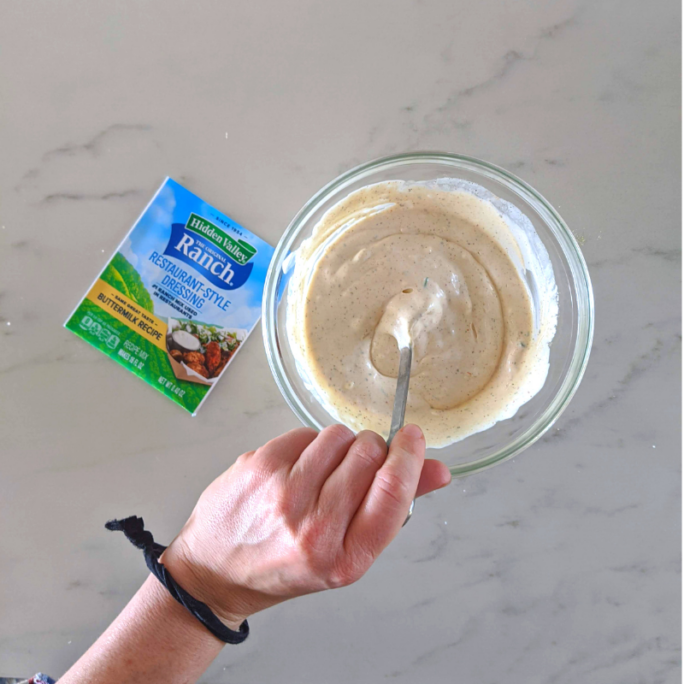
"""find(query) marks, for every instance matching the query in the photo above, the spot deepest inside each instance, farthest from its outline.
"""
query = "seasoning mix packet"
(179, 297)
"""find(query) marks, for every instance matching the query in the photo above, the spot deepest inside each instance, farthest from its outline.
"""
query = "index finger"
(385, 506)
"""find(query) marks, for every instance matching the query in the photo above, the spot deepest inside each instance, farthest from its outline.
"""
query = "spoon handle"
(401, 394)
(400, 397)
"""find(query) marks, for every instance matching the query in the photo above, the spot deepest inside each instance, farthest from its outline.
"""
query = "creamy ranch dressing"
(436, 264)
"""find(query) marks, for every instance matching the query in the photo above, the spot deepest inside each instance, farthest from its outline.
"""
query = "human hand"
(303, 513)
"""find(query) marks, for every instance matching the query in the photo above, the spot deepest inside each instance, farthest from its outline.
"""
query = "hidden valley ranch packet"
(179, 297)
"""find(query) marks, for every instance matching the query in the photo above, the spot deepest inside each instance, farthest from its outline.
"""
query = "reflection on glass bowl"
(570, 348)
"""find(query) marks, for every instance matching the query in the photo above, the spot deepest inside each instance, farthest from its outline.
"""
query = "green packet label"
(179, 297)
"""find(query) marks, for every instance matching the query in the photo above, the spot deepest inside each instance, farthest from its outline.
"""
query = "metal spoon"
(400, 397)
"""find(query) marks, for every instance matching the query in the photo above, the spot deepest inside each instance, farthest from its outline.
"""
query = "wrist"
(180, 624)
(199, 585)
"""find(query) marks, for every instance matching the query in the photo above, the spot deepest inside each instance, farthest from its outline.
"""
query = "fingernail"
(447, 478)
(413, 431)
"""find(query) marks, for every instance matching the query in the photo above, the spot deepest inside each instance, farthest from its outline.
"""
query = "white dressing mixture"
(443, 265)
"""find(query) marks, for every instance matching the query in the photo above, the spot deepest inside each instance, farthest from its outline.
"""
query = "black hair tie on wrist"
(134, 529)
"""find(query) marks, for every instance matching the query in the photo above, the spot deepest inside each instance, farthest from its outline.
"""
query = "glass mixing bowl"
(570, 347)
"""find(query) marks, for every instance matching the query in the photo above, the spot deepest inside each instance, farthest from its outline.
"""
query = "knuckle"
(345, 574)
(265, 466)
(393, 485)
(337, 580)
(370, 450)
(313, 538)
(264, 452)
(288, 507)
(339, 433)
(326, 557)
(403, 449)
(242, 458)
(276, 446)
(304, 432)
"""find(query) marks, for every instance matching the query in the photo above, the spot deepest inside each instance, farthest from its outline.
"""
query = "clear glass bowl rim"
(571, 251)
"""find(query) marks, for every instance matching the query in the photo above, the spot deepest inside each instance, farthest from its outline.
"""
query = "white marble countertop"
(556, 568)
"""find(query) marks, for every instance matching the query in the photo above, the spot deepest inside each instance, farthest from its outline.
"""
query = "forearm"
(303, 513)
(154, 639)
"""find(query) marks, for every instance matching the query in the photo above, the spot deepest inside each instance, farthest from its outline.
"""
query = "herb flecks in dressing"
(397, 260)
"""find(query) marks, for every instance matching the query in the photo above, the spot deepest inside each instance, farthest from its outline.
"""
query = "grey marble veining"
(559, 567)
